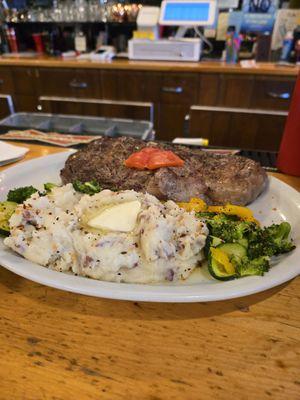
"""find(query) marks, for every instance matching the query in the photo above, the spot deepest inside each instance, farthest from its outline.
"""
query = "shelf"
(111, 23)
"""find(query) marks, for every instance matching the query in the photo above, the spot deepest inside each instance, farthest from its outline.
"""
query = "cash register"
(185, 14)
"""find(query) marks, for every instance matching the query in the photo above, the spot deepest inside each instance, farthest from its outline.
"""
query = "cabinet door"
(209, 87)
(130, 85)
(6, 106)
(68, 82)
(235, 90)
(239, 128)
(25, 81)
(25, 103)
(272, 93)
(6, 81)
(171, 121)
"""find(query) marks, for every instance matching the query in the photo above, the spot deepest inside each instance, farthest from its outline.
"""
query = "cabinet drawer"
(99, 108)
(236, 127)
(68, 82)
(6, 105)
(272, 93)
(6, 81)
(179, 89)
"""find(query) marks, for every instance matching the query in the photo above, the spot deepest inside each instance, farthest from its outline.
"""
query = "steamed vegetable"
(90, 188)
(219, 265)
(271, 241)
(7, 208)
(21, 194)
(247, 246)
(199, 205)
(49, 186)
(257, 266)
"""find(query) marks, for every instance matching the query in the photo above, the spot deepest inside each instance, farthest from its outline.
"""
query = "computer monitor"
(188, 12)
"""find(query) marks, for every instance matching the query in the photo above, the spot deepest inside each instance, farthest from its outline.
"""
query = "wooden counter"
(227, 104)
(205, 66)
(56, 345)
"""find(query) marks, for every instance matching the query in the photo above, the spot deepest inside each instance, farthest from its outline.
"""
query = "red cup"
(38, 42)
(288, 160)
(12, 40)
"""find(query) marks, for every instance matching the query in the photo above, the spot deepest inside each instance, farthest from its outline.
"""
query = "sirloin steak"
(217, 179)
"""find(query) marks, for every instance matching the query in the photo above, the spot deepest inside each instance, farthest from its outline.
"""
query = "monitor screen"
(186, 11)
(193, 12)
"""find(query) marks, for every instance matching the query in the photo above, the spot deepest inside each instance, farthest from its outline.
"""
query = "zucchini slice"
(7, 208)
(233, 249)
(223, 271)
(211, 241)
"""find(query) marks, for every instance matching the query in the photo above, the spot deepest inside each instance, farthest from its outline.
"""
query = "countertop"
(123, 64)
(56, 345)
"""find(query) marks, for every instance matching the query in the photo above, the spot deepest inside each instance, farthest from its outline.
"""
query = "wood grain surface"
(203, 66)
(56, 345)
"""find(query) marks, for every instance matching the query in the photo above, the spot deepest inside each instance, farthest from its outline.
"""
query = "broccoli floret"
(49, 186)
(279, 234)
(90, 188)
(270, 241)
(229, 229)
(21, 194)
(247, 267)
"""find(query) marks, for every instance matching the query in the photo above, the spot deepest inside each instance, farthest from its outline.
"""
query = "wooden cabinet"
(6, 81)
(235, 91)
(25, 81)
(163, 97)
(241, 128)
(241, 110)
(171, 121)
(208, 89)
(6, 105)
(130, 86)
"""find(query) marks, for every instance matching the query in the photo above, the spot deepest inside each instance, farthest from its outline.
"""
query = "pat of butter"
(121, 217)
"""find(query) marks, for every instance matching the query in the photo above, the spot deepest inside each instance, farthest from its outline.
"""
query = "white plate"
(279, 202)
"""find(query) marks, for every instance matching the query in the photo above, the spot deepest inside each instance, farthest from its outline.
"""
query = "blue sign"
(257, 23)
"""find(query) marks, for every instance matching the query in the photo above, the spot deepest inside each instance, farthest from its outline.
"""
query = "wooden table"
(56, 345)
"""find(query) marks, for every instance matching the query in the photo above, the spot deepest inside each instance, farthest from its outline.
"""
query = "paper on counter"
(59, 139)
(10, 152)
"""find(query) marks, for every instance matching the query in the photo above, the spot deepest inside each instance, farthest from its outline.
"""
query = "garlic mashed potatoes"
(112, 236)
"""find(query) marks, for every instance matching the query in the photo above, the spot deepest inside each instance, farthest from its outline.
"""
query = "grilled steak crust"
(218, 179)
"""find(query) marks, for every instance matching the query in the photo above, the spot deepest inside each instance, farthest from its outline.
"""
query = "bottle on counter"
(233, 44)
(38, 43)
(287, 46)
(80, 41)
(263, 47)
(4, 47)
(12, 40)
